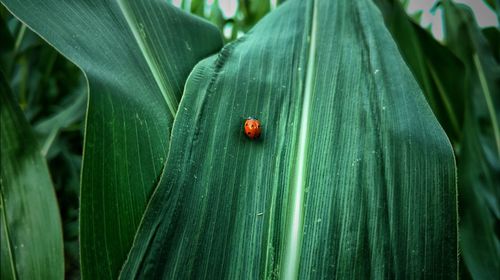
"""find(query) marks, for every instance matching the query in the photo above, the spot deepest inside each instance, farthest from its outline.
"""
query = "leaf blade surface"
(30, 227)
(136, 71)
(376, 165)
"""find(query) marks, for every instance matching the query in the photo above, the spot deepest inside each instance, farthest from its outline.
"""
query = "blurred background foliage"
(51, 91)
(460, 78)
(459, 74)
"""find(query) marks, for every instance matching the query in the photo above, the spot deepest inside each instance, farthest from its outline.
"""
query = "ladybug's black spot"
(251, 126)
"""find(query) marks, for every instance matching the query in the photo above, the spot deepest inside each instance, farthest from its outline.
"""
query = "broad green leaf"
(476, 153)
(136, 56)
(440, 74)
(352, 178)
(479, 154)
(52, 92)
(31, 244)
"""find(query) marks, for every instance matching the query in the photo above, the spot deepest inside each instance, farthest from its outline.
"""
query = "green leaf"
(474, 83)
(7, 43)
(479, 203)
(352, 178)
(478, 157)
(50, 127)
(493, 36)
(440, 74)
(31, 243)
(136, 56)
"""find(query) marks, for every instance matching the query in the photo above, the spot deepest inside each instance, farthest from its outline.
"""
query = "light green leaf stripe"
(295, 220)
(31, 242)
(342, 116)
(488, 100)
(134, 86)
(150, 51)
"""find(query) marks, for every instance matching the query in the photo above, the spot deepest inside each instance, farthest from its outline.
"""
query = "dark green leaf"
(50, 127)
(353, 177)
(439, 72)
(478, 156)
(7, 43)
(136, 56)
(31, 243)
(493, 36)
(479, 208)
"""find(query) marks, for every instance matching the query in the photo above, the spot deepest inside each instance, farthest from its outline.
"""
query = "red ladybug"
(252, 128)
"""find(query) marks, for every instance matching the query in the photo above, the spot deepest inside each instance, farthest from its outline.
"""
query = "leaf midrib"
(170, 98)
(295, 212)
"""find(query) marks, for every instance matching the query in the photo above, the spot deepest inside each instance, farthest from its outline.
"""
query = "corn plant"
(352, 177)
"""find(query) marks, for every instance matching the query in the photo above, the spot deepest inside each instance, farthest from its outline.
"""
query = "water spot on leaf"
(142, 31)
(188, 47)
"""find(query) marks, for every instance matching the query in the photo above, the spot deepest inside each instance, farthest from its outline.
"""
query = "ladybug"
(252, 128)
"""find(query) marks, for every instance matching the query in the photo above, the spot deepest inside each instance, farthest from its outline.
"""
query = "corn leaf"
(136, 56)
(479, 154)
(352, 177)
(31, 243)
(469, 90)
(440, 74)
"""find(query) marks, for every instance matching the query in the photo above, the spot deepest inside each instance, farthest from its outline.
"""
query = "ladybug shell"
(252, 128)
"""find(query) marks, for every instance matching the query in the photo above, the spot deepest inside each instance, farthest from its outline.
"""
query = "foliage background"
(51, 92)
